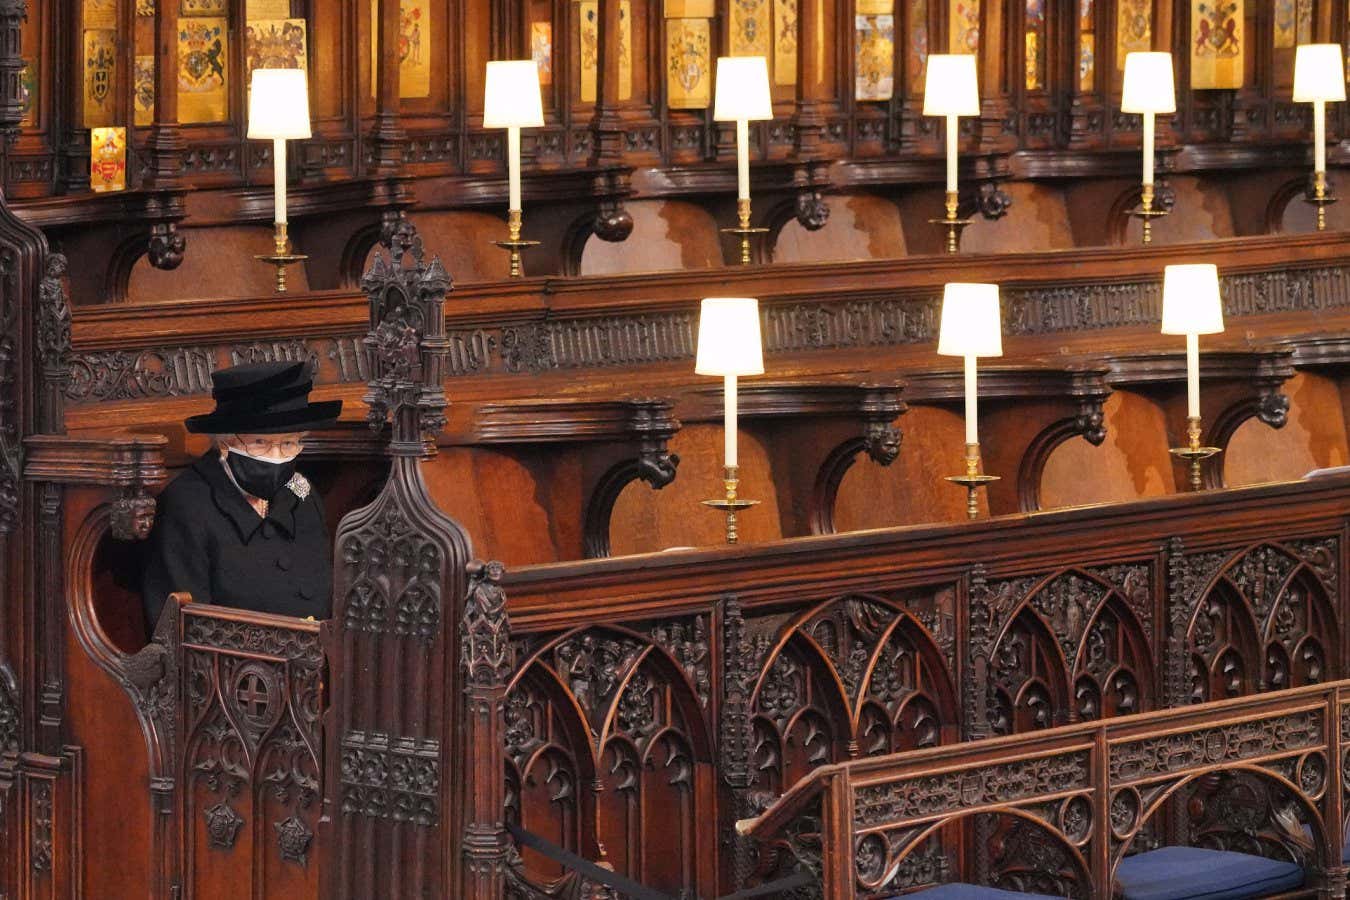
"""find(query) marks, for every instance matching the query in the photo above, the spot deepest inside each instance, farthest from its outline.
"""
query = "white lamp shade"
(951, 87)
(511, 97)
(278, 104)
(971, 325)
(742, 90)
(1319, 73)
(1191, 302)
(728, 337)
(1149, 85)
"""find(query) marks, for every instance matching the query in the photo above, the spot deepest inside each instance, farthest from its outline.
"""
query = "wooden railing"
(1084, 795)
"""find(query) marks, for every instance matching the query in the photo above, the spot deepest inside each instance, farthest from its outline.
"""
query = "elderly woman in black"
(241, 527)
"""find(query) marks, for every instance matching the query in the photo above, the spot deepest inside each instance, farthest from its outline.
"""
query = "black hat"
(264, 398)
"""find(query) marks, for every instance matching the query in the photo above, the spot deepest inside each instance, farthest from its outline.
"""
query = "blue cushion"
(959, 891)
(1192, 873)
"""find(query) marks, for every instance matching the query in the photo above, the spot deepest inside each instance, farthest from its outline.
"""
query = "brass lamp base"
(952, 224)
(1194, 453)
(731, 504)
(1321, 198)
(281, 256)
(743, 230)
(972, 481)
(514, 244)
(1147, 213)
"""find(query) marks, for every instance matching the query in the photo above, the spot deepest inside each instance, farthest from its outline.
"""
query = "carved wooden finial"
(406, 341)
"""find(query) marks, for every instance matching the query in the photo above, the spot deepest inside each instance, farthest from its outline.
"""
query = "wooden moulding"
(640, 427)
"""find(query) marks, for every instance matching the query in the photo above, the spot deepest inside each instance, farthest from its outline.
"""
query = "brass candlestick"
(972, 481)
(513, 243)
(282, 256)
(743, 229)
(731, 504)
(1321, 198)
(1146, 212)
(1194, 453)
(953, 225)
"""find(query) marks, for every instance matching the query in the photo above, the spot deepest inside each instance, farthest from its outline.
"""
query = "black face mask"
(263, 478)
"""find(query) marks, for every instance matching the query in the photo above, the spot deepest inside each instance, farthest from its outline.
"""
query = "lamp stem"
(279, 180)
(1148, 148)
(1319, 136)
(972, 403)
(953, 132)
(730, 419)
(742, 159)
(1193, 376)
(513, 166)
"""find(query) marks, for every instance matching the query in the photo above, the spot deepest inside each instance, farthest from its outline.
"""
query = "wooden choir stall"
(997, 544)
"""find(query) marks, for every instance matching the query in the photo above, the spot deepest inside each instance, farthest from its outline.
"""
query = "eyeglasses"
(261, 446)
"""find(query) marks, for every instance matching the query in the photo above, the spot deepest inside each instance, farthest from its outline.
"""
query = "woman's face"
(265, 446)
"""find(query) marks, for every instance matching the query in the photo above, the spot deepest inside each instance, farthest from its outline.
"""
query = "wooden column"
(608, 123)
(166, 143)
(809, 121)
(487, 663)
(387, 138)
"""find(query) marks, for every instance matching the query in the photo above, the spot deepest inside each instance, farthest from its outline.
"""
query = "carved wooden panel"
(1074, 644)
(251, 749)
(608, 735)
(1259, 618)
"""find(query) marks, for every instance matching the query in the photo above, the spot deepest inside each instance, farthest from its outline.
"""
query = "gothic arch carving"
(1258, 617)
(1285, 194)
(606, 732)
(1113, 671)
(854, 674)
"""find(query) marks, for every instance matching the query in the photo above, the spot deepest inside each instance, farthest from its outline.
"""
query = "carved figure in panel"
(241, 527)
(608, 726)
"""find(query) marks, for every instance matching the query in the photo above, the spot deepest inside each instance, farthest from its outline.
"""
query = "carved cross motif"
(251, 692)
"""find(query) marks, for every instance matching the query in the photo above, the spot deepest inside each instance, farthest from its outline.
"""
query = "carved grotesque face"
(142, 517)
(133, 518)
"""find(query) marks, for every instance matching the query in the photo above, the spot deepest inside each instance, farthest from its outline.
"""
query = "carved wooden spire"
(398, 745)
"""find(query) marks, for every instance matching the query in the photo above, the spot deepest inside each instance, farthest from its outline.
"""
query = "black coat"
(209, 542)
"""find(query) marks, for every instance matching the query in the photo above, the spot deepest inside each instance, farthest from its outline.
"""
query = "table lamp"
(1149, 90)
(278, 109)
(951, 89)
(512, 100)
(971, 327)
(742, 96)
(729, 345)
(1319, 79)
(1192, 306)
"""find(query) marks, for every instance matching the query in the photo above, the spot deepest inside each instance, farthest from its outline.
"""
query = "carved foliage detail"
(394, 572)
(391, 777)
(9, 711)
